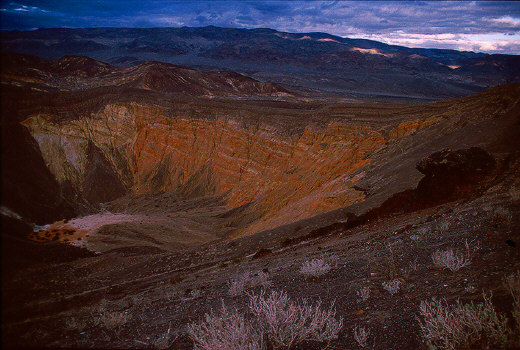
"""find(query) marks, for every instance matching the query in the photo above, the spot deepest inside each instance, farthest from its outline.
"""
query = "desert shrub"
(315, 268)
(170, 294)
(112, 320)
(448, 259)
(463, 325)
(195, 294)
(392, 286)
(444, 226)
(361, 336)
(363, 294)
(414, 265)
(452, 260)
(246, 281)
(415, 238)
(228, 330)
(287, 323)
(163, 342)
(275, 322)
(512, 284)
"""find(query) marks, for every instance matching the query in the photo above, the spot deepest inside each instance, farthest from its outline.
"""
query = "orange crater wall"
(287, 177)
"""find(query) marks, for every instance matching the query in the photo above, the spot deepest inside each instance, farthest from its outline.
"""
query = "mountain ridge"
(82, 72)
(311, 60)
(134, 199)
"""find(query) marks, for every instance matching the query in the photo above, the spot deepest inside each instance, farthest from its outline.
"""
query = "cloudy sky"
(484, 26)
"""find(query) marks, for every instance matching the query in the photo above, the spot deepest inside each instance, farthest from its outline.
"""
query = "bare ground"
(152, 290)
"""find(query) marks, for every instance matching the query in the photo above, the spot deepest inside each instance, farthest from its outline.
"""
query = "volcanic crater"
(157, 184)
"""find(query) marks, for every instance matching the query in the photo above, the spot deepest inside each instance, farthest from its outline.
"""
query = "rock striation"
(208, 167)
(136, 148)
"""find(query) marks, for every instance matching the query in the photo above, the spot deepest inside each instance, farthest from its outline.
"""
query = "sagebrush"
(461, 325)
(315, 268)
(273, 320)
(228, 330)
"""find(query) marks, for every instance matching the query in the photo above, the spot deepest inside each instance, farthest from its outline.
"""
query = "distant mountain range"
(311, 60)
(80, 73)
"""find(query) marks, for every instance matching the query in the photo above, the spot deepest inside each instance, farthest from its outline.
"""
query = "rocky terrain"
(133, 198)
(80, 72)
(351, 67)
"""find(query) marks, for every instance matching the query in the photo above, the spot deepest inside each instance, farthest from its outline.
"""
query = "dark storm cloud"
(484, 26)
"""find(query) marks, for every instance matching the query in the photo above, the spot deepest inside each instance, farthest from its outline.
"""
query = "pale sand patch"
(172, 231)
(91, 224)
(75, 230)
(94, 222)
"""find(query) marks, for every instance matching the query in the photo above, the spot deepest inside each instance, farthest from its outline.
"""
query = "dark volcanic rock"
(453, 174)
(449, 176)
(462, 163)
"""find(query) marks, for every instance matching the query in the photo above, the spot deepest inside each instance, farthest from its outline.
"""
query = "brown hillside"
(158, 197)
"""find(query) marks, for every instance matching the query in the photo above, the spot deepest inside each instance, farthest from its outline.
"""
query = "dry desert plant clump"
(444, 226)
(463, 325)
(363, 294)
(414, 265)
(415, 238)
(276, 321)
(389, 264)
(448, 259)
(287, 323)
(195, 293)
(315, 268)
(361, 336)
(112, 320)
(247, 280)
(392, 286)
(512, 284)
(228, 330)
(452, 260)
